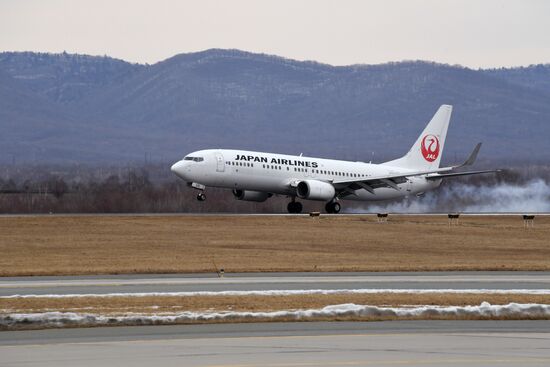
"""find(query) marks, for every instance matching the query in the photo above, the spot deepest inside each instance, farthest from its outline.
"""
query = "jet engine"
(315, 190)
(247, 195)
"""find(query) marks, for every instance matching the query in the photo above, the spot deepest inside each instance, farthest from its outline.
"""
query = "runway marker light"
(219, 271)
(453, 218)
(382, 217)
(528, 220)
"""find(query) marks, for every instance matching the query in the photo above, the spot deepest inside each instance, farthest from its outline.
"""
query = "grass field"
(56, 245)
(172, 304)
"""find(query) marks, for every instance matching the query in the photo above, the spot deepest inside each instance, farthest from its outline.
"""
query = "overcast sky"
(475, 33)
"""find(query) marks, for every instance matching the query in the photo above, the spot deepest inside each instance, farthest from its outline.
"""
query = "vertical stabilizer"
(426, 152)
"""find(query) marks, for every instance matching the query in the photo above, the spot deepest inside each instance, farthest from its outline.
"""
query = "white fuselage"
(278, 173)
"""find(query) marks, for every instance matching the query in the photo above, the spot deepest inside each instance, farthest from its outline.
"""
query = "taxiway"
(411, 343)
(271, 281)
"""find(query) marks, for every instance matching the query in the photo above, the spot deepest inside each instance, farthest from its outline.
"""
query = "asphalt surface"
(397, 343)
(271, 281)
(224, 214)
(410, 343)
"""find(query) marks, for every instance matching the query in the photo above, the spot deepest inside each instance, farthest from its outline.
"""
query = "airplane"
(257, 176)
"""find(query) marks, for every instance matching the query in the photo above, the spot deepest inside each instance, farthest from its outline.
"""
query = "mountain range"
(69, 108)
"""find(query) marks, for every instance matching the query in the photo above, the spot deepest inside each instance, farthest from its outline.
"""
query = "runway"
(272, 281)
(410, 343)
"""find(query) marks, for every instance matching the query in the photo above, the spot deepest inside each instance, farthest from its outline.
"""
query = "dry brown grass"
(173, 304)
(158, 244)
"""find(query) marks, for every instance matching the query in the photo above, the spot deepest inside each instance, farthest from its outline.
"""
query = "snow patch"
(59, 319)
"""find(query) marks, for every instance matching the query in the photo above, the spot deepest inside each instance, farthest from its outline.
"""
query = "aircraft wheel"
(294, 207)
(333, 207)
(201, 196)
(290, 207)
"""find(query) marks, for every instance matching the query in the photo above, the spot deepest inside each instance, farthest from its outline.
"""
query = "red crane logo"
(430, 147)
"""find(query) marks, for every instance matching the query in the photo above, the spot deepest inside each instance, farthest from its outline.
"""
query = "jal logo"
(430, 147)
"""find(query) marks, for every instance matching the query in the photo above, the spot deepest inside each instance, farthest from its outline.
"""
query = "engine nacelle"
(315, 190)
(247, 195)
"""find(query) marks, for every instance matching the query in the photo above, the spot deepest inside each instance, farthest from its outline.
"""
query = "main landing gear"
(294, 207)
(333, 207)
(201, 196)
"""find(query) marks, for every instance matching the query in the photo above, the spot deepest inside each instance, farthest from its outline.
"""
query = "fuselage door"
(220, 164)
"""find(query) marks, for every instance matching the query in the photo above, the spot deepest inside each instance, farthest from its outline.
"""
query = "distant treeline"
(153, 189)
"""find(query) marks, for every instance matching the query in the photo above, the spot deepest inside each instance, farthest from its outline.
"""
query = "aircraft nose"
(175, 166)
(178, 168)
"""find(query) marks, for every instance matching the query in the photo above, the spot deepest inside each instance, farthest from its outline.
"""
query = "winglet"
(472, 158)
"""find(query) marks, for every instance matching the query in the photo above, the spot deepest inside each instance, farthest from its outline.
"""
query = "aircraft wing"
(373, 182)
(438, 176)
(396, 176)
(348, 187)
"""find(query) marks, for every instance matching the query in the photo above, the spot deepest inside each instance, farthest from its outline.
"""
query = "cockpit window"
(194, 159)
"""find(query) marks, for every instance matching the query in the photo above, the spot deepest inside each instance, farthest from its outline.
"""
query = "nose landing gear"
(200, 187)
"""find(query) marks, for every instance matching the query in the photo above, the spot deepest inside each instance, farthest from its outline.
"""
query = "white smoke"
(530, 197)
(60, 319)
